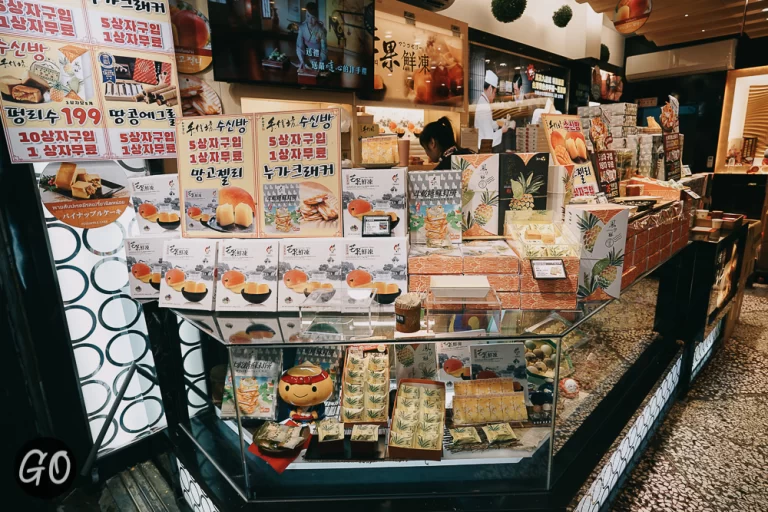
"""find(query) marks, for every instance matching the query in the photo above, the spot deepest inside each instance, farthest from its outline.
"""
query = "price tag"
(377, 226)
(693, 195)
(601, 199)
(367, 130)
(548, 269)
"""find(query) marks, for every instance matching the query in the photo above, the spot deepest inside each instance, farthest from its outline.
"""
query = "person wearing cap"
(311, 44)
(486, 126)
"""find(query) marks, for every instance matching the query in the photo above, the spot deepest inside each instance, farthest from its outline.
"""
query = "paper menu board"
(72, 88)
(299, 173)
(217, 176)
(568, 148)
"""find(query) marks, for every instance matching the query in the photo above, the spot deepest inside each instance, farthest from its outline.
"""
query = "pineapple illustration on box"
(523, 185)
(602, 231)
(479, 194)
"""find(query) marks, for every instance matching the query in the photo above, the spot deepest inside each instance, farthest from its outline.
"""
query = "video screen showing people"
(314, 43)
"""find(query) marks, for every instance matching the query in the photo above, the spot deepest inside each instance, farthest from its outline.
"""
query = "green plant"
(562, 16)
(605, 53)
(507, 11)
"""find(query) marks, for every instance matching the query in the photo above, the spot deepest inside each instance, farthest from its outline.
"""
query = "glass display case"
(542, 378)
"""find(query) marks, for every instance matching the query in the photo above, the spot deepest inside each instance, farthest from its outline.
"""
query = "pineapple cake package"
(602, 231)
(379, 264)
(144, 257)
(416, 361)
(306, 265)
(156, 201)
(434, 207)
(373, 192)
(523, 185)
(417, 421)
(247, 271)
(257, 371)
(479, 195)
(365, 385)
(189, 274)
(500, 361)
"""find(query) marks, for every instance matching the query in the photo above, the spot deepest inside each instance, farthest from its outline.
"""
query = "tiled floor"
(711, 453)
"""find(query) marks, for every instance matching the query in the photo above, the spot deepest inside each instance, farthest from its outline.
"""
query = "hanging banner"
(87, 81)
(569, 148)
(631, 15)
(217, 177)
(299, 167)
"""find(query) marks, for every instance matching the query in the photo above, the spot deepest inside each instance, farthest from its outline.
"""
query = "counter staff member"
(439, 142)
(486, 126)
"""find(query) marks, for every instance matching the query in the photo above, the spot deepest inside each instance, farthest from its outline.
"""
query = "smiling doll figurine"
(306, 386)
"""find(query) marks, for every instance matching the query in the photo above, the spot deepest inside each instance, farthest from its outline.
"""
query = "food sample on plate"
(278, 437)
(365, 386)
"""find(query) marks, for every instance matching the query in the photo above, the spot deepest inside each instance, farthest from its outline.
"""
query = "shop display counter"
(605, 354)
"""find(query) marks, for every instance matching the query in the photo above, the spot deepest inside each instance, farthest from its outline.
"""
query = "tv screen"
(325, 44)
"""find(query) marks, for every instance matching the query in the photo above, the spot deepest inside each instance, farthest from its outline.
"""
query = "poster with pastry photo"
(299, 162)
(217, 174)
(568, 148)
(50, 101)
(141, 99)
(191, 36)
(86, 195)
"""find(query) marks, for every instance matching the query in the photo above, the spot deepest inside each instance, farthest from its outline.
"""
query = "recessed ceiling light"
(703, 30)
(686, 15)
(765, 10)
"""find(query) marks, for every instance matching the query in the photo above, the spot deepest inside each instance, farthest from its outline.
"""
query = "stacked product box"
(189, 274)
(368, 192)
(425, 262)
(530, 139)
(479, 195)
(247, 273)
(524, 185)
(496, 260)
(380, 264)
(144, 258)
(306, 265)
(602, 231)
(545, 241)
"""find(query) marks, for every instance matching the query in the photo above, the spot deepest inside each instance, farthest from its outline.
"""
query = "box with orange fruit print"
(247, 271)
(379, 265)
(188, 274)
(144, 257)
(306, 265)
(373, 192)
(156, 201)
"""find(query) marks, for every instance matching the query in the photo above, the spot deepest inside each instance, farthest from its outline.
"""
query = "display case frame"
(216, 453)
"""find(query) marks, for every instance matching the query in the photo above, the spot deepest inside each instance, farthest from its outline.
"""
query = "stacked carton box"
(496, 260)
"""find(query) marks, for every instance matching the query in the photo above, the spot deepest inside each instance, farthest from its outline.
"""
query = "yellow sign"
(299, 162)
(217, 176)
(367, 130)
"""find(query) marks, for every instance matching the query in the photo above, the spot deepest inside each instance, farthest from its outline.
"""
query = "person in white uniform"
(487, 128)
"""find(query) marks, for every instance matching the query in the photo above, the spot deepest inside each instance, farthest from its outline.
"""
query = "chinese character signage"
(299, 172)
(86, 195)
(416, 66)
(568, 148)
(217, 173)
(608, 178)
(87, 81)
(672, 156)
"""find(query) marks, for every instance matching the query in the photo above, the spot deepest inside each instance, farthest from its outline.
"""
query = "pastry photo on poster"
(218, 177)
(85, 194)
(299, 166)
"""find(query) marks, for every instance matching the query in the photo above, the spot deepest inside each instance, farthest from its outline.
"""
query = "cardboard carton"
(247, 271)
(374, 192)
(188, 280)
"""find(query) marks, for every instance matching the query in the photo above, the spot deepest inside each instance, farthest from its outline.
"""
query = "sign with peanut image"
(299, 173)
(569, 149)
(217, 175)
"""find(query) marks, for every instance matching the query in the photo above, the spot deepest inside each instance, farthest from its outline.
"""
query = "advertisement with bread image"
(230, 210)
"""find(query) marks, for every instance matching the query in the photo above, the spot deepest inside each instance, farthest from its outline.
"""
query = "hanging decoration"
(562, 16)
(507, 11)
(631, 15)
(605, 53)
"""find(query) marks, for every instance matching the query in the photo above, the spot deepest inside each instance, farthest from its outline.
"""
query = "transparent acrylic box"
(481, 314)
(320, 312)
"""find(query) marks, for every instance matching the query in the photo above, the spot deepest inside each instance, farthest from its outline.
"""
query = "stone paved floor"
(711, 453)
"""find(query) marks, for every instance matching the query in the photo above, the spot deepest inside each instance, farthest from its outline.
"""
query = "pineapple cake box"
(257, 371)
(418, 420)
(365, 385)
(373, 192)
(434, 207)
(416, 361)
(189, 274)
(144, 257)
(247, 271)
(602, 232)
(306, 265)
(523, 185)
(479, 195)
(156, 201)
(380, 264)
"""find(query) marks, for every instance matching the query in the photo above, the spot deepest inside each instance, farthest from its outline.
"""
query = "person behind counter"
(439, 142)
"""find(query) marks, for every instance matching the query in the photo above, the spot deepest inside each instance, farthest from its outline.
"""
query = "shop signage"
(88, 80)
(414, 65)
(647, 102)
(367, 130)
(607, 177)
(672, 166)
(299, 173)
(549, 86)
(548, 269)
(217, 176)
(630, 15)
(568, 148)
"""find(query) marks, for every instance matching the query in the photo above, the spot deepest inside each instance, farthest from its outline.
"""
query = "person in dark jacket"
(439, 142)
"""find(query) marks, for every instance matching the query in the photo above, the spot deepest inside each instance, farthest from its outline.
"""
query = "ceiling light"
(703, 30)
(686, 15)
(517, 67)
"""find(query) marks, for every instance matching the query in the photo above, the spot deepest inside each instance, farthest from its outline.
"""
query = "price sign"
(548, 269)
(608, 178)
(377, 225)
(672, 165)
(367, 130)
